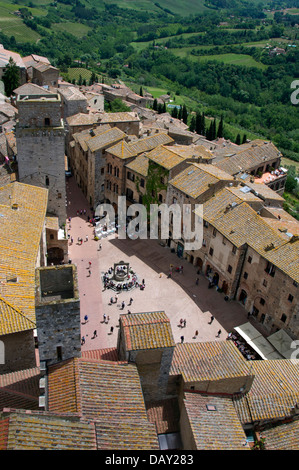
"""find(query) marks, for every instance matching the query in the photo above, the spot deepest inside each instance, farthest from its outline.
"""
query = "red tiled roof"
(63, 384)
(36, 430)
(107, 393)
(20, 389)
(208, 361)
(147, 331)
(214, 423)
(165, 415)
(109, 354)
(4, 424)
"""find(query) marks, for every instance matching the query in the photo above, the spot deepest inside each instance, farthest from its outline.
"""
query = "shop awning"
(257, 342)
(282, 342)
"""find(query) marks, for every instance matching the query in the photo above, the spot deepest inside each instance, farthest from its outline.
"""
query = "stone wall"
(41, 143)
(58, 313)
(273, 298)
(153, 369)
(19, 352)
(41, 162)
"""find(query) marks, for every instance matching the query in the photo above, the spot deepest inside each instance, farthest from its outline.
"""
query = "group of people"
(242, 346)
(81, 212)
(110, 283)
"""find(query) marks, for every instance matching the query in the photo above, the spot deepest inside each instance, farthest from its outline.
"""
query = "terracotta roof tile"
(275, 390)
(165, 415)
(240, 224)
(13, 320)
(259, 152)
(110, 354)
(4, 426)
(147, 331)
(22, 215)
(107, 393)
(105, 139)
(214, 422)
(118, 117)
(208, 361)
(139, 165)
(166, 156)
(20, 389)
(45, 431)
(282, 436)
(149, 143)
(197, 179)
(63, 385)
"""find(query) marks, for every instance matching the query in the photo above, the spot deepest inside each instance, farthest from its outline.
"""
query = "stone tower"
(57, 311)
(40, 148)
(146, 339)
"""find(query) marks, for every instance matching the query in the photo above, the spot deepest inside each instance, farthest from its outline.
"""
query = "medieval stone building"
(40, 144)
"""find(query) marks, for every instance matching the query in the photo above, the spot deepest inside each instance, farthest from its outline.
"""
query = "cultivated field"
(76, 29)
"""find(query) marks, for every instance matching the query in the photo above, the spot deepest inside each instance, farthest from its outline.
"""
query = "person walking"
(182, 339)
(123, 305)
(212, 319)
(83, 340)
(184, 323)
(195, 334)
(86, 318)
(218, 334)
(95, 334)
(104, 317)
(131, 300)
(111, 330)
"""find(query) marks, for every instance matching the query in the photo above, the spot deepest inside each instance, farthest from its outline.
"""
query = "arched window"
(47, 181)
(283, 317)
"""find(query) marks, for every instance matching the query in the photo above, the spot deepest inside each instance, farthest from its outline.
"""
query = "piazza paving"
(179, 296)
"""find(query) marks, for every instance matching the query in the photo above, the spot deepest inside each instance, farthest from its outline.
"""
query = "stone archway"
(216, 278)
(199, 263)
(224, 287)
(55, 255)
(243, 296)
(208, 270)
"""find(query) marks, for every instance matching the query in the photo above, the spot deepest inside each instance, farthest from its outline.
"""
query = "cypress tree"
(220, 128)
(203, 124)
(214, 130)
(198, 126)
(192, 126)
(184, 115)
(174, 113)
(209, 133)
(11, 77)
(238, 139)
